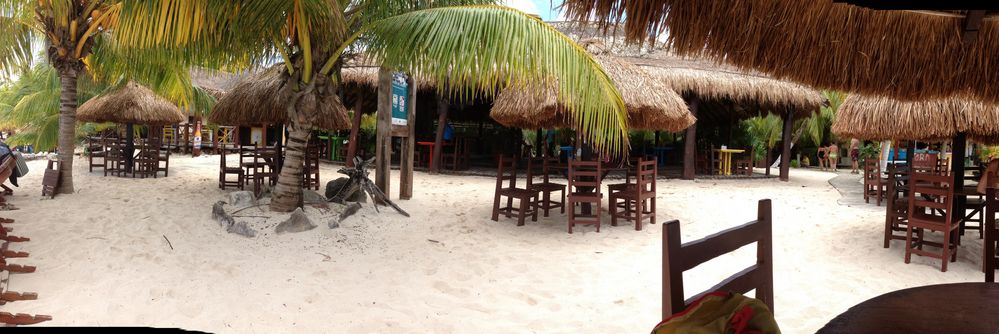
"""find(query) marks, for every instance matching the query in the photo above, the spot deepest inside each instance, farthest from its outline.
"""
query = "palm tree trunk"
(67, 129)
(287, 194)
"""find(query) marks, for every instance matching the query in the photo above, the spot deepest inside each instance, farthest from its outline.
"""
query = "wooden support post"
(957, 171)
(435, 159)
(538, 141)
(690, 142)
(408, 144)
(187, 135)
(355, 128)
(129, 147)
(383, 137)
(785, 156)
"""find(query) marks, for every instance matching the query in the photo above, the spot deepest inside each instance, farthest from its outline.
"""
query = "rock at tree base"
(312, 197)
(298, 222)
(333, 223)
(336, 186)
(242, 229)
(219, 214)
(242, 199)
(350, 210)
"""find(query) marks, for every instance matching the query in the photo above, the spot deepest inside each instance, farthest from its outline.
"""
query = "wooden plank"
(690, 142)
(741, 282)
(972, 23)
(408, 145)
(988, 257)
(958, 144)
(785, 157)
(715, 245)
(764, 253)
(672, 288)
(383, 140)
(355, 128)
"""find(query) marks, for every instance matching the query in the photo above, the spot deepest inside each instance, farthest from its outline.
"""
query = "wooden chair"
(146, 161)
(96, 151)
(707, 162)
(744, 165)
(6, 296)
(933, 210)
(584, 188)
(897, 203)
(310, 169)
(161, 153)
(114, 161)
(507, 172)
(925, 163)
(265, 160)
(542, 167)
(990, 258)
(455, 156)
(50, 179)
(678, 258)
(874, 184)
(225, 170)
(6, 170)
(247, 155)
(638, 199)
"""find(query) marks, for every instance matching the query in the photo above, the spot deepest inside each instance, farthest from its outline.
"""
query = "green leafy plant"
(870, 151)
(795, 164)
(764, 133)
(987, 153)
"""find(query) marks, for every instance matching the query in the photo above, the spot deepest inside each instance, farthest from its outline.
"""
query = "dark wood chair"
(114, 161)
(874, 184)
(932, 210)
(744, 165)
(507, 172)
(265, 167)
(990, 258)
(897, 204)
(707, 162)
(310, 168)
(637, 199)
(543, 167)
(585, 179)
(247, 154)
(96, 151)
(146, 160)
(162, 155)
(678, 258)
(225, 169)
(455, 156)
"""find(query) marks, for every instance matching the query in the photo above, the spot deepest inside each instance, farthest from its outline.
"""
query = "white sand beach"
(103, 259)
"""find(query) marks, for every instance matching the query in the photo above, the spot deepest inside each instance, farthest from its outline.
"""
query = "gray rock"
(336, 186)
(334, 223)
(265, 190)
(312, 197)
(219, 214)
(350, 210)
(242, 199)
(243, 229)
(298, 222)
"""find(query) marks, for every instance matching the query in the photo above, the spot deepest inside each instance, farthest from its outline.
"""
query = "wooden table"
(430, 145)
(725, 160)
(586, 208)
(944, 308)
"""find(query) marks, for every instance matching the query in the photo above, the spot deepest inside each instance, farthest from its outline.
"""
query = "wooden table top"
(943, 308)
(731, 150)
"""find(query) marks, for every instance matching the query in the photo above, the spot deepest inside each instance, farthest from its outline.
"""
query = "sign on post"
(400, 99)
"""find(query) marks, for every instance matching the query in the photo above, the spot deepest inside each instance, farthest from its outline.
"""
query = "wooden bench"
(678, 258)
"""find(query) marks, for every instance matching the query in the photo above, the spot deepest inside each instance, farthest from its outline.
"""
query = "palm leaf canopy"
(882, 118)
(257, 99)
(651, 104)
(130, 104)
(908, 55)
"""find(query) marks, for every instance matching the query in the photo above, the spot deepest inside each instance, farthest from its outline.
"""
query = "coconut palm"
(470, 50)
(817, 127)
(764, 133)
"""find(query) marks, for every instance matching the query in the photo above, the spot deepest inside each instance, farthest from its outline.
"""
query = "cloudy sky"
(540, 7)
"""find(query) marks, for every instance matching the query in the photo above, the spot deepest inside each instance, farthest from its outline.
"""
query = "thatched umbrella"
(650, 104)
(257, 100)
(882, 118)
(130, 104)
(909, 55)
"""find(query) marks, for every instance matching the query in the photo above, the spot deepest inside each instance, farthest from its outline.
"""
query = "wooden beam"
(355, 128)
(690, 141)
(957, 146)
(972, 23)
(435, 159)
(785, 157)
(383, 139)
(408, 143)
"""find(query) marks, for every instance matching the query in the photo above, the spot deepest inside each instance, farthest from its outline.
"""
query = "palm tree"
(817, 127)
(764, 132)
(470, 50)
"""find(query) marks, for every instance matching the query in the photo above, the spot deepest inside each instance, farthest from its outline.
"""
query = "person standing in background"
(821, 153)
(855, 154)
(833, 155)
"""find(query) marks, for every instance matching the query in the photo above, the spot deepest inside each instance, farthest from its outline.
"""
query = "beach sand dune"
(103, 259)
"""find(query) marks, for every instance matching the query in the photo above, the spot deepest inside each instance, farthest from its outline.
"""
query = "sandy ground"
(103, 259)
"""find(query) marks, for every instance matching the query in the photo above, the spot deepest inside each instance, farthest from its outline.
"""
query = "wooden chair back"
(925, 162)
(585, 174)
(936, 194)
(506, 171)
(678, 258)
(542, 168)
(645, 176)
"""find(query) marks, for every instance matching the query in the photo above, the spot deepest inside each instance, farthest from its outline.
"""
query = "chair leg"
(889, 223)
(496, 202)
(638, 215)
(534, 211)
(612, 206)
(523, 211)
(597, 204)
(509, 204)
(908, 244)
(572, 214)
(563, 200)
(946, 250)
(652, 211)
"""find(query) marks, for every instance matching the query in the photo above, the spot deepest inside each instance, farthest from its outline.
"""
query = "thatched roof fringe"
(132, 103)
(880, 118)
(257, 100)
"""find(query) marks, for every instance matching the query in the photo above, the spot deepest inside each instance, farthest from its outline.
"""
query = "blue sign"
(400, 99)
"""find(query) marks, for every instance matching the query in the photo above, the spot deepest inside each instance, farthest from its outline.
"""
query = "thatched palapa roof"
(881, 118)
(650, 104)
(257, 100)
(908, 55)
(725, 90)
(130, 104)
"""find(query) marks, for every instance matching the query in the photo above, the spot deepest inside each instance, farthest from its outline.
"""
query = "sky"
(539, 7)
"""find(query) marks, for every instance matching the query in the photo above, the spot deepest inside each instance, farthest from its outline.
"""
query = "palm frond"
(17, 27)
(487, 48)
